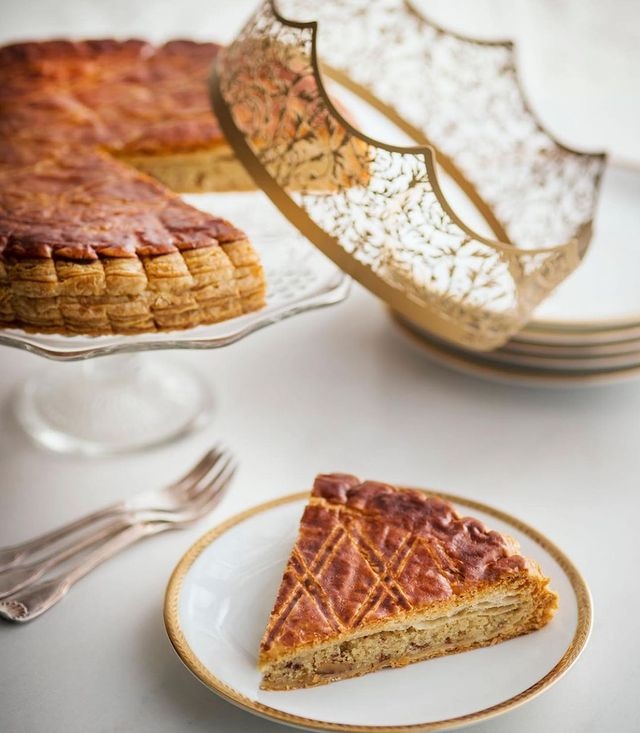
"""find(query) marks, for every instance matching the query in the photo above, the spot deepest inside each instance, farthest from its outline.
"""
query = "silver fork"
(170, 498)
(34, 600)
(19, 576)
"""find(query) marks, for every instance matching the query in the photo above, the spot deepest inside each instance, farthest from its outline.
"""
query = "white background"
(342, 390)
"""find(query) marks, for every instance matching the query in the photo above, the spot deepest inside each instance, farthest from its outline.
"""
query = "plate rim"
(198, 669)
(582, 329)
(578, 351)
(510, 374)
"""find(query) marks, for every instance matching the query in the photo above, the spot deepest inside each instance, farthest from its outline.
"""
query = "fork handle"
(10, 556)
(124, 539)
(17, 577)
(34, 600)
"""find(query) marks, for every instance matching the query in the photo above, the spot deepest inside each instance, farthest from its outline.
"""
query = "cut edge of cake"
(488, 616)
(114, 251)
(213, 169)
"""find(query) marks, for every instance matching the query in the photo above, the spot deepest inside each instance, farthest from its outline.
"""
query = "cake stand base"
(113, 404)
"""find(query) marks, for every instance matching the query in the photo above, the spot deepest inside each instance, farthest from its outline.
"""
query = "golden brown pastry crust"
(87, 244)
(371, 559)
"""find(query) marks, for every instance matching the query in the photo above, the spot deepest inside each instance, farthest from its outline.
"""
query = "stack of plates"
(589, 329)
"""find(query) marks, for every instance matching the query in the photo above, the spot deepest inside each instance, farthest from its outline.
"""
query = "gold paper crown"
(376, 209)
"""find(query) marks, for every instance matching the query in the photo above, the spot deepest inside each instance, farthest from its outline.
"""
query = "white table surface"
(338, 389)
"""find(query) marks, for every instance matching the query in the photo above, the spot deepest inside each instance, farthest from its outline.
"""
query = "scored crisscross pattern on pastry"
(368, 552)
(384, 573)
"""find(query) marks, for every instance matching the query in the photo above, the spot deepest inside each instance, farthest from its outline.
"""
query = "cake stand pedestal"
(127, 400)
(121, 403)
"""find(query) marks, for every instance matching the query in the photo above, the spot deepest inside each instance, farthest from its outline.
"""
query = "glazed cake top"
(367, 552)
(66, 108)
(123, 95)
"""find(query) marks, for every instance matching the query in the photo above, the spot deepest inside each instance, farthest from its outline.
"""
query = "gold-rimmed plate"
(486, 366)
(577, 351)
(558, 362)
(220, 595)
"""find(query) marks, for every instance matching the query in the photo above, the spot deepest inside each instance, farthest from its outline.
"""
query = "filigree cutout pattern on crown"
(376, 209)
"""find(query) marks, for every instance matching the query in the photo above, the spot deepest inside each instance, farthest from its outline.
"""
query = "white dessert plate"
(487, 366)
(538, 357)
(220, 595)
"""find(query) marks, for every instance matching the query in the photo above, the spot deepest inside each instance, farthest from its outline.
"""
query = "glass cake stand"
(131, 400)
